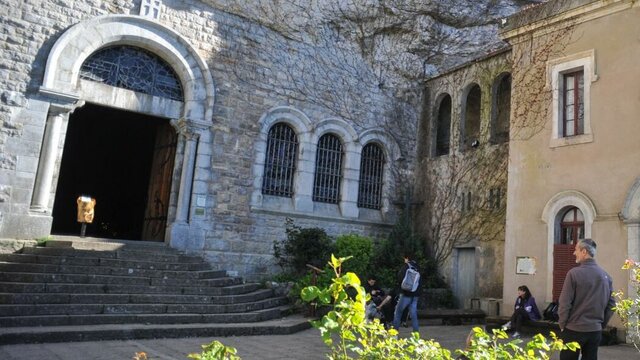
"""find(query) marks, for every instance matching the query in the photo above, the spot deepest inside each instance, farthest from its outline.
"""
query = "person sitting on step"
(525, 309)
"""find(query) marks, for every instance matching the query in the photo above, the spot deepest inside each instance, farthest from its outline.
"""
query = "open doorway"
(124, 160)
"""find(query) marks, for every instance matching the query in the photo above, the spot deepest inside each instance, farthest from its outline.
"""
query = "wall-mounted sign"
(525, 265)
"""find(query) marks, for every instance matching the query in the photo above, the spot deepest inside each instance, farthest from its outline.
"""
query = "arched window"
(443, 129)
(371, 171)
(571, 226)
(132, 68)
(501, 109)
(471, 126)
(328, 179)
(280, 161)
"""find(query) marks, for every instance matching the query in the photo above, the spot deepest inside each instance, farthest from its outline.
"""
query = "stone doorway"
(125, 161)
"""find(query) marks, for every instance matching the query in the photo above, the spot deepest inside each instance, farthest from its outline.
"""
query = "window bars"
(280, 161)
(134, 69)
(326, 186)
(371, 177)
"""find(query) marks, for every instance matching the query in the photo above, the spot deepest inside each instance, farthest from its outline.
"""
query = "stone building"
(173, 115)
(461, 175)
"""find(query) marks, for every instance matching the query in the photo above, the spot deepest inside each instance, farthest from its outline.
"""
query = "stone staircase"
(79, 290)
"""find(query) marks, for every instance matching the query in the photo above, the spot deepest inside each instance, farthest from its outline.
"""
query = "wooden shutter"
(563, 261)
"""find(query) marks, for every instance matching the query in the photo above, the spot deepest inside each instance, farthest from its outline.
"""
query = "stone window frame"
(551, 215)
(556, 68)
(308, 135)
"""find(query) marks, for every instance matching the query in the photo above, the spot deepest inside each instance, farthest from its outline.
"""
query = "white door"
(465, 286)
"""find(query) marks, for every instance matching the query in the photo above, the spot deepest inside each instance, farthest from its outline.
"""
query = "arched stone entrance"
(65, 91)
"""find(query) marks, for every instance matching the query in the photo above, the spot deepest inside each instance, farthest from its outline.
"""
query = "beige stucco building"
(574, 155)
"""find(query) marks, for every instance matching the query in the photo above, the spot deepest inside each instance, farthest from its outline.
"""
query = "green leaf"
(310, 293)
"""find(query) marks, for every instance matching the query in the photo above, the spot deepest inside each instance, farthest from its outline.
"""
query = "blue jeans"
(403, 302)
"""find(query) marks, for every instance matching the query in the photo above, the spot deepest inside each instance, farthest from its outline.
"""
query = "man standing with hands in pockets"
(585, 304)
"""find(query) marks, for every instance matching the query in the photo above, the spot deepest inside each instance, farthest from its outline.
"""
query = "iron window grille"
(573, 99)
(326, 186)
(133, 69)
(280, 161)
(371, 175)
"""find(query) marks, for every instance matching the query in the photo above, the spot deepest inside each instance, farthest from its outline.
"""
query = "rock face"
(350, 68)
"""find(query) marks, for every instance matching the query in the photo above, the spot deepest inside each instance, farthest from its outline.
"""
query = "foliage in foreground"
(628, 308)
(215, 350)
(348, 336)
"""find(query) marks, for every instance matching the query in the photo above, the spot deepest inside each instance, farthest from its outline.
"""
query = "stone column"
(48, 156)
(191, 136)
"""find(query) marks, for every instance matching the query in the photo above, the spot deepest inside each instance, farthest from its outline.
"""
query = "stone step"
(60, 298)
(108, 288)
(113, 279)
(24, 335)
(127, 308)
(68, 320)
(99, 244)
(108, 270)
(140, 255)
(96, 261)
(18, 287)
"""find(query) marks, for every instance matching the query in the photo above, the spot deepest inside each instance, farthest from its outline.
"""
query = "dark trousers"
(519, 317)
(588, 341)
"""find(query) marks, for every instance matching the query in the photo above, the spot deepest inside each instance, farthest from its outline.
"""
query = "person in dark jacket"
(524, 309)
(407, 298)
(585, 304)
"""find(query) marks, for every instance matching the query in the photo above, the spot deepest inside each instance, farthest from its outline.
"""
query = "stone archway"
(631, 216)
(65, 91)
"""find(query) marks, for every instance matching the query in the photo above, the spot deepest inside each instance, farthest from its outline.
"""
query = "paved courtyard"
(305, 345)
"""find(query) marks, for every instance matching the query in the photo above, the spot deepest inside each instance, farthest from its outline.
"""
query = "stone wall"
(250, 78)
(460, 213)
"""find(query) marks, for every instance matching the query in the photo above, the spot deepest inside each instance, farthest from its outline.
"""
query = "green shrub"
(387, 257)
(628, 307)
(348, 336)
(361, 250)
(302, 246)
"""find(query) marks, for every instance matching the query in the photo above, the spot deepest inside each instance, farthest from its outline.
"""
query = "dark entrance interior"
(123, 160)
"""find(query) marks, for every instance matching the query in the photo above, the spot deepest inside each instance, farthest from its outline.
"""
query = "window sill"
(322, 217)
(572, 140)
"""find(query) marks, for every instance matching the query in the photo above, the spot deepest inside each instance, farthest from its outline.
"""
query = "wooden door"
(159, 191)
(563, 261)
(466, 276)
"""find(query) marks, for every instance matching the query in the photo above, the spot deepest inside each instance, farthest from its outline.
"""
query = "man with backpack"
(409, 289)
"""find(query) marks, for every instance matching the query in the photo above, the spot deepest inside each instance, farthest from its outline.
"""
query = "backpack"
(551, 312)
(411, 279)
